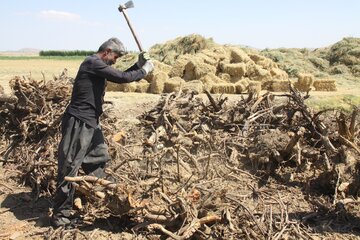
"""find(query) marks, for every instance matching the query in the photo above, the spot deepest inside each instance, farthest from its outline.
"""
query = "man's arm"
(114, 75)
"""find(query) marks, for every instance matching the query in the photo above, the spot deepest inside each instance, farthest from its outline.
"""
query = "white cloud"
(58, 15)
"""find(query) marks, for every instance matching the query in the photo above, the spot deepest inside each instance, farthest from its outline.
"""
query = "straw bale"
(228, 88)
(236, 70)
(237, 55)
(209, 80)
(2, 90)
(142, 86)
(305, 82)
(195, 85)
(158, 82)
(256, 57)
(242, 85)
(278, 74)
(196, 68)
(123, 87)
(178, 67)
(325, 85)
(206, 59)
(254, 87)
(173, 84)
(218, 53)
(257, 73)
(211, 77)
(158, 67)
(225, 77)
(267, 64)
(280, 86)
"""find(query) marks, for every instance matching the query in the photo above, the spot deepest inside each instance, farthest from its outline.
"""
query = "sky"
(85, 24)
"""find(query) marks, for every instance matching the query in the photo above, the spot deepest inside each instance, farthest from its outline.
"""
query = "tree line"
(65, 53)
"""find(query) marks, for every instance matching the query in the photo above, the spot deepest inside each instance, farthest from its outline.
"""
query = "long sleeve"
(114, 75)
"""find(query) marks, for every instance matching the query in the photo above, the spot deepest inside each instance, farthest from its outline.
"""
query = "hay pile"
(342, 58)
(346, 52)
(193, 57)
(218, 67)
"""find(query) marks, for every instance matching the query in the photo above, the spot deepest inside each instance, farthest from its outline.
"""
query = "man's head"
(110, 50)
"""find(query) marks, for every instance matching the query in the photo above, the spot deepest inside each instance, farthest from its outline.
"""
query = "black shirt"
(89, 87)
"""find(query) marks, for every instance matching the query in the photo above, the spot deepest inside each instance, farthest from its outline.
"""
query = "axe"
(122, 8)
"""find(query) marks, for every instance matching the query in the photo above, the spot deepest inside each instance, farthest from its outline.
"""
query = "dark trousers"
(80, 146)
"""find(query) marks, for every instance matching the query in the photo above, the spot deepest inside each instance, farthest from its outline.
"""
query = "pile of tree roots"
(199, 166)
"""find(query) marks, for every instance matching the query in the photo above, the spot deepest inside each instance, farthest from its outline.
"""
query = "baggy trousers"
(80, 146)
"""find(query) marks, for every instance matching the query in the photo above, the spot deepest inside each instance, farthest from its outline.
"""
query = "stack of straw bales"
(215, 68)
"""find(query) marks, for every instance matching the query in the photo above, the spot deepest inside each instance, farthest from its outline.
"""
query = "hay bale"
(218, 53)
(305, 82)
(173, 84)
(235, 70)
(228, 88)
(278, 74)
(2, 91)
(158, 83)
(178, 67)
(267, 64)
(195, 85)
(237, 55)
(209, 80)
(257, 73)
(280, 86)
(242, 85)
(208, 60)
(196, 68)
(325, 85)
(256, 57)
(123, 87)
(158, 67)
(225, 77)
(254, 87)
(142, 86)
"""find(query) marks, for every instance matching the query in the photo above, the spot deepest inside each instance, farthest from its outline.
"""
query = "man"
(82, 144)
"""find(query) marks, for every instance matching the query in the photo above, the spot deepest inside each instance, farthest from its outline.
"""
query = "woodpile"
(195, 166)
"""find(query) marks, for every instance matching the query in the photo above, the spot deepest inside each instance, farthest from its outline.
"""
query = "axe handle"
(132, 31)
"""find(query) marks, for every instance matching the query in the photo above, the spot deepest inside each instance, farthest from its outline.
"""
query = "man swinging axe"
(82, 144)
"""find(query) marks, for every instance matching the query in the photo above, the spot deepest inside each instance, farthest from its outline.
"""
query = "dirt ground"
(23, 217)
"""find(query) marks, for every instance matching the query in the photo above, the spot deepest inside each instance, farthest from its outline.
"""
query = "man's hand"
(143, 57)
(148, 66)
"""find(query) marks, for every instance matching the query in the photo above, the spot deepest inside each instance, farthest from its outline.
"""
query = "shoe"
(61, 221)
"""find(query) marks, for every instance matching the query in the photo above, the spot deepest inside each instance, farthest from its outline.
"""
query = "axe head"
(127, 5)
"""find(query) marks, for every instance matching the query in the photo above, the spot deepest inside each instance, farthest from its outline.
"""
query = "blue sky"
(85, 24)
